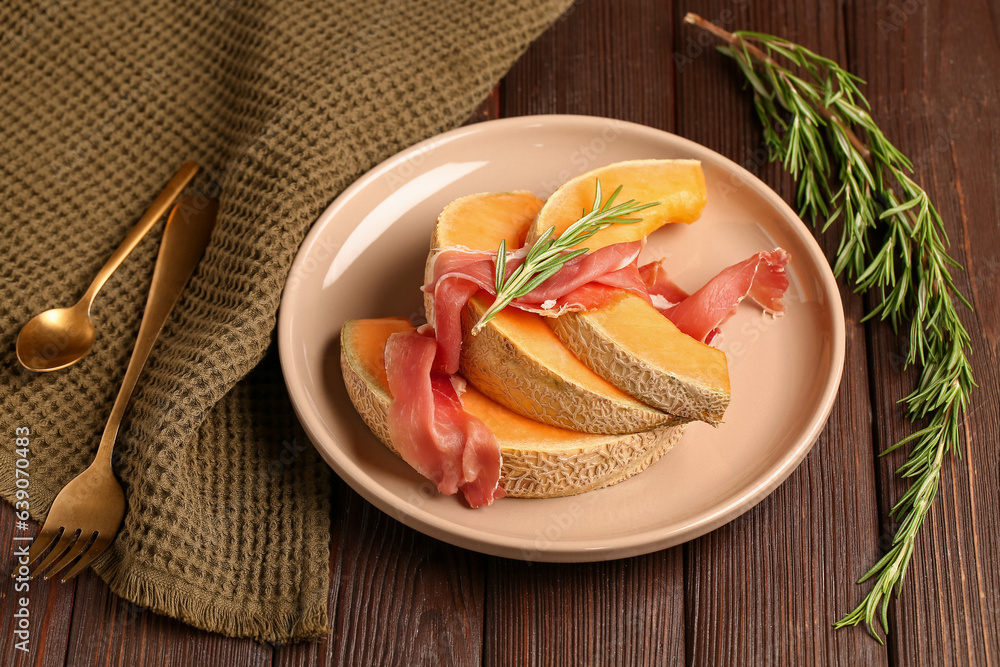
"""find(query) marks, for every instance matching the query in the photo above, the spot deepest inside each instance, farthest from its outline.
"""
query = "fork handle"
(136, 234)
(184, 240)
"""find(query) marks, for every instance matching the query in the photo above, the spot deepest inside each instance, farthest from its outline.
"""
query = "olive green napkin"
(284, 103)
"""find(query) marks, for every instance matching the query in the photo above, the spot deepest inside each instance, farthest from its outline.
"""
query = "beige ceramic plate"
(365, 258)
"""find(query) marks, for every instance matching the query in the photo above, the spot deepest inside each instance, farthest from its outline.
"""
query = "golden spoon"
(87, 513)
(60, 337)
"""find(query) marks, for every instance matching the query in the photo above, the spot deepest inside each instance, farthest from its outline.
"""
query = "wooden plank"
(600, 58)
(403, 597)
(934, 88)
(396, 596)
(608, 59)
(766, 588)
(108, 630)
(50, 604)
(624, 612)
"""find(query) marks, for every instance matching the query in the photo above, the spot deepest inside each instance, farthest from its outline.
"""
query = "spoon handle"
(184, 240)
(136, 234)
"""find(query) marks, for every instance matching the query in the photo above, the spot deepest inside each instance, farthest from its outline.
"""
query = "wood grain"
(50, 604)
(599, 59)
(404, 598)
(937, 64)
(624, 612)
(108, 630)
(397, 597)
(767, 588)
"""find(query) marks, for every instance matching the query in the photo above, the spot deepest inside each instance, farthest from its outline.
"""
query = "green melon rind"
(628, 371)
(531, 473)
(523, 383)
(370, 399)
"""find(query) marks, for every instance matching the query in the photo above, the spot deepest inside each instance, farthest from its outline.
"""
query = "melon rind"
(513, 376)
(579, 462)
(635, 373)
(517, 370)
(536, 474)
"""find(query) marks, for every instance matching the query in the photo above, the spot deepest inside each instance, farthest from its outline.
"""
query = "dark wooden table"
(766, 588)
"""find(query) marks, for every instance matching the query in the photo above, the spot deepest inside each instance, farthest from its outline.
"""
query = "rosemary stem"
(764, 59)
(809, 126)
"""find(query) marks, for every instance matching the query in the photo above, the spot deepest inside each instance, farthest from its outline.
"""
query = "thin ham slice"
(584, 283)
(428, 424)
(431, 429)
(664, 292)
(761, 277)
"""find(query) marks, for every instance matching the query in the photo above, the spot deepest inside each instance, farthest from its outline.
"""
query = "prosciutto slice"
(761, 277)
(431, 429)
(428, 424)
(663, 292)
(584, 283)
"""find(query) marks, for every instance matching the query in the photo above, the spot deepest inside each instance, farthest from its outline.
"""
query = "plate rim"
(642, 542)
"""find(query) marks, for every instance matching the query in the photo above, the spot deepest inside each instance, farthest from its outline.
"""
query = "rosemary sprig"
(893, 244)
(547, 255)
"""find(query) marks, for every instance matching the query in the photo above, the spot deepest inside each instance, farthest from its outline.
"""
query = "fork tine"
(100, 544)
(65, 542)
(77, 549)
(45, 538)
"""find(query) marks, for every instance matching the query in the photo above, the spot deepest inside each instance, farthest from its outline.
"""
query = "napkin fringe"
(36, 499)
(228, 617)
(287, 102)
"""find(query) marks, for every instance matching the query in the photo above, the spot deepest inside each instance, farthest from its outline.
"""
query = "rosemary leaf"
(547, 255)
(893, 245)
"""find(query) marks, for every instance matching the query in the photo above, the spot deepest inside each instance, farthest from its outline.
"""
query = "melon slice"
(519, 362)
(480, 222)
(631, 344)
(678, 185)
(628, 342)
(516, 359)
(539, 461)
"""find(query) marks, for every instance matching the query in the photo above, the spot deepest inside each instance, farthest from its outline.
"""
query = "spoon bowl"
(60, 337)
(56, 338)
(86, 515)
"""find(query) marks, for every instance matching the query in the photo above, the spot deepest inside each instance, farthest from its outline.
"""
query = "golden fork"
(87, 513)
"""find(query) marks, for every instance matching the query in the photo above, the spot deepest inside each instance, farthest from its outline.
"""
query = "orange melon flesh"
(483, 220)
(628, 342)
(678, 186)
(517, 360)
(367, 339)
(631, 344)
(480, 222)
(538, 460)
